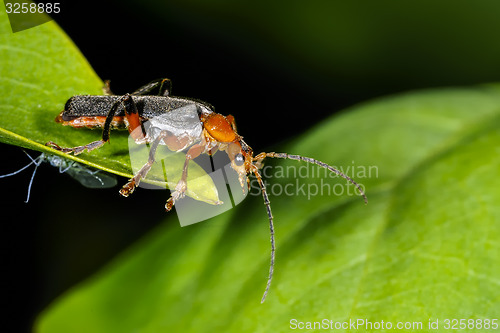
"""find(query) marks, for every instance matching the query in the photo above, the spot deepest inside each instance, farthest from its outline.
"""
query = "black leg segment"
(160, 87)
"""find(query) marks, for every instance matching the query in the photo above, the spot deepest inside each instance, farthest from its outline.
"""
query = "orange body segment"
(219, 128)
(134, 122)
(230, 118)
(91, 122)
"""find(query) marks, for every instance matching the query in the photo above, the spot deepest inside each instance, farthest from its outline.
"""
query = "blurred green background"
(279, 67)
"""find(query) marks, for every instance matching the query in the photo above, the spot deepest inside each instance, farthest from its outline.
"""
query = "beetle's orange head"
(241, 157)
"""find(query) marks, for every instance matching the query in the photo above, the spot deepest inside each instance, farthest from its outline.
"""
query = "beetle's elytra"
(173, 116)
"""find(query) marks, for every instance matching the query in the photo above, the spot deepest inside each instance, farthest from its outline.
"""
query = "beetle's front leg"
(181, 187)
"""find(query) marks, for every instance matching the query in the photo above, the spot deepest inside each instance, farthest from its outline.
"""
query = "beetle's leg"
(107, 89)
(181, 187)
(128, 188)
(135, 126)
(130, 107)
(164, 88)
(230, 118)
(76, 150)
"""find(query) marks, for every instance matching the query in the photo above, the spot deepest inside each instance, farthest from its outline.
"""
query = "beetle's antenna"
(256, 172)
(319, 163)
(37, 161)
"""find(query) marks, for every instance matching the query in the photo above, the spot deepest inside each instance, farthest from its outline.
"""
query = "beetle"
(85, 175)
(174, 118)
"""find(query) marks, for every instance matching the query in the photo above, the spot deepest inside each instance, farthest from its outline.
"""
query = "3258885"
(27, 7)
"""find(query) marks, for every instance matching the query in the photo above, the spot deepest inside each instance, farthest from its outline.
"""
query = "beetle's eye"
(239, 160)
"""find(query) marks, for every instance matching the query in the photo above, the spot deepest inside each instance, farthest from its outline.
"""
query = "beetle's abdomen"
(91, 122)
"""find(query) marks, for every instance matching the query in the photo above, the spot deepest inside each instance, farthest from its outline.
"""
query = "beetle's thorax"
(219, 127)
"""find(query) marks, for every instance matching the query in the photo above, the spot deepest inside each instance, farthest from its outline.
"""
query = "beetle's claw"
(76, 150)
(176, 195)
(128, 188)
(179, 193)
(169, 204)
(54, 145)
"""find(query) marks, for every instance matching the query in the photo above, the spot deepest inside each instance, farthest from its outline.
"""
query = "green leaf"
(41, 68)
(424, 248)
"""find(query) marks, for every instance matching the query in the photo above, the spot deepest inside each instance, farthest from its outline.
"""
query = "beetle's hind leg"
(76, 150)
(95, 144)
(132, 115)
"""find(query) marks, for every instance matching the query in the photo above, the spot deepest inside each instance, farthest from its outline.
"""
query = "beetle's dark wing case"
(153, 106)
(90, 106)
(147, 106)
